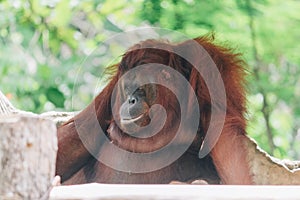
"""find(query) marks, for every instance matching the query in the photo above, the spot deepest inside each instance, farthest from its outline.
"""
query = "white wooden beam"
(173, 192)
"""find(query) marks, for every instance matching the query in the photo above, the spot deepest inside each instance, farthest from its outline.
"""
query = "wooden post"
(28, 146)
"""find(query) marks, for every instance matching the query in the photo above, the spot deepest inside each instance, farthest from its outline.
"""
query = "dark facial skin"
(137, 101)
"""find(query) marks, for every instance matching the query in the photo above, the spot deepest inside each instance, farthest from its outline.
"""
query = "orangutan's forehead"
(138, 57)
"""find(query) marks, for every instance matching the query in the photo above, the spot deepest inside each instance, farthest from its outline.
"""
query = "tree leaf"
(56, 97)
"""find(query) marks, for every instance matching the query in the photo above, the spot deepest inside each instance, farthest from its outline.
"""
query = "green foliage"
(151, 11)
(45, 44)
(55, 96)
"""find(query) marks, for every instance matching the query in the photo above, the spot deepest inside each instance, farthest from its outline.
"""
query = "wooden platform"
(173, 192)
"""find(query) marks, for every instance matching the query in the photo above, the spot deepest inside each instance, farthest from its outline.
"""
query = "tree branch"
(265, 108)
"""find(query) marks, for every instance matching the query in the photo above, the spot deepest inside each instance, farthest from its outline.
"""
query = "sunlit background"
(44, 42)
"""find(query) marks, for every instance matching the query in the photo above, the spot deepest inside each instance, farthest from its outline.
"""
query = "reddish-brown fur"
(225, 164)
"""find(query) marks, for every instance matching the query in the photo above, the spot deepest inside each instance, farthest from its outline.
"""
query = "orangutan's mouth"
(132, 120)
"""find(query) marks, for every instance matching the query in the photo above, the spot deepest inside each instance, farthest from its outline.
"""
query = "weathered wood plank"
(173, 192)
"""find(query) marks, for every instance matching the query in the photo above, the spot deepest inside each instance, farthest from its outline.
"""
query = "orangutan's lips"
(132, 120)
